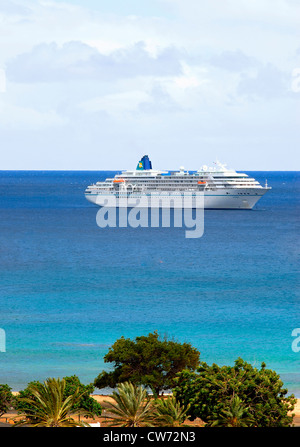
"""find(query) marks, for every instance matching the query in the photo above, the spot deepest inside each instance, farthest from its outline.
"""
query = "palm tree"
(236, 416)
(48, 408)
(132, 407)
(169, 413)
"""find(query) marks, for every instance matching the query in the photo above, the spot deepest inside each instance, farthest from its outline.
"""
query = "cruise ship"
(220, 188)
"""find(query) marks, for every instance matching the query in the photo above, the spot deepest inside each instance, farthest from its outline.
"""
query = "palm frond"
(49, 408)
(131, 408)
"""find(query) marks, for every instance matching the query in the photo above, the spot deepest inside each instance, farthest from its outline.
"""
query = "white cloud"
(76, 60)
(13, 8)
(16, 118)
(191, 77)
(235, 61)
(48, 62)
(116, 104)
(268, 83)
(267, 30)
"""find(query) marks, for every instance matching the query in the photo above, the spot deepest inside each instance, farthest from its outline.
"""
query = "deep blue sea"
(69, 289)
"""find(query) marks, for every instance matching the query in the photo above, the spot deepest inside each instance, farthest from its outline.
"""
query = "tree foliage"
(6, 399)
(148, 360)
(85, 404)
(210, 390)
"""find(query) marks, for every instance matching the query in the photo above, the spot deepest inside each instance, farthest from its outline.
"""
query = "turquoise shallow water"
(69, 289)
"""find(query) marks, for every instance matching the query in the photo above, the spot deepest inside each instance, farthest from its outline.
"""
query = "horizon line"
(114, 170)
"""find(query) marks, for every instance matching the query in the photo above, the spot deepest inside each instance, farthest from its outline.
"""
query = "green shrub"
(209, 392)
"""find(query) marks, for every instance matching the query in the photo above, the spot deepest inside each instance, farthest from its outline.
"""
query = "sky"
(97, 84)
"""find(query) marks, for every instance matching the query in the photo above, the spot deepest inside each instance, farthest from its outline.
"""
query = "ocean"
(69, 289)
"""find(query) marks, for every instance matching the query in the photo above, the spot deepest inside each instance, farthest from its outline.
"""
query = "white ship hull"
(226, 199)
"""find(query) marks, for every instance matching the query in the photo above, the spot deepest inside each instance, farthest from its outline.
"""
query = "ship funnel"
(144, 164)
